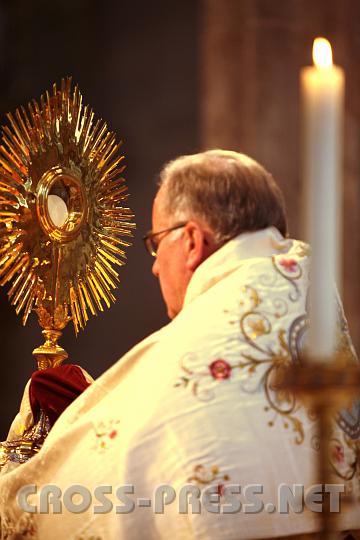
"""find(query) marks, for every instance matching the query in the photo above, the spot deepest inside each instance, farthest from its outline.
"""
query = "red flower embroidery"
(113, 434)
(290, 265)
(338, 453)
(220, 369)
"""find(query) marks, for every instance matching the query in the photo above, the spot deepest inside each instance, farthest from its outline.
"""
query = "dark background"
(173, 77)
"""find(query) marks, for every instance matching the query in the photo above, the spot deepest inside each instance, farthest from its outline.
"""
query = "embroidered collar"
(229, 257)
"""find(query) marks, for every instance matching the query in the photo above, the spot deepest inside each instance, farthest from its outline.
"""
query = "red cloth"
(53, 389)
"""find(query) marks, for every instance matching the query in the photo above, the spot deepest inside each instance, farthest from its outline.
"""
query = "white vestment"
(196, 404)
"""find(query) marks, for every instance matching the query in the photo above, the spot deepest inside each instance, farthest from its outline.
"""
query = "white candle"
(322, 88)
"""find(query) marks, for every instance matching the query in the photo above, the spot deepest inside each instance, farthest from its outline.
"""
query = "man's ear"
(198, 245)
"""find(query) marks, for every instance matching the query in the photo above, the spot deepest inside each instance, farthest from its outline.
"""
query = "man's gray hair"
(228, 191)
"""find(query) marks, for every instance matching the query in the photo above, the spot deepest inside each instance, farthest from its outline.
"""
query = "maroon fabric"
(53, 389)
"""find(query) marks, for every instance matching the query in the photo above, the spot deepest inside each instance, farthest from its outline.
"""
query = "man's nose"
(155, 269)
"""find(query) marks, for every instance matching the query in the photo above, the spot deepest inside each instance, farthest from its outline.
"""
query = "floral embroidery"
(290, 265)
(303, 250)
(288, 269)
(249, 297)
(344, 458)
(337, 452)
(257, 327)
(202, 381)
(266, 353)
(205, 476)
(345, 466)
(105, 433)
(274, 366)
(261, 363)
(220, 369)
(268, 364)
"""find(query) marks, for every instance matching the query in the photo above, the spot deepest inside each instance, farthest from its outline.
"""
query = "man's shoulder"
(272, 289)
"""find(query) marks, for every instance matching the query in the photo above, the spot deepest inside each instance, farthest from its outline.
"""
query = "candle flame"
(322, 53)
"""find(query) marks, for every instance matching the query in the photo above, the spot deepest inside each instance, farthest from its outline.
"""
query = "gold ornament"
(62, 225)
(62, 219)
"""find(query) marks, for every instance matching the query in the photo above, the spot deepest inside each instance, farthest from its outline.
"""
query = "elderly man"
(191, 434)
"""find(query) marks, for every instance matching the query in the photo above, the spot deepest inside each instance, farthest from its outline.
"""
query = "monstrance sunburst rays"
(55, 148)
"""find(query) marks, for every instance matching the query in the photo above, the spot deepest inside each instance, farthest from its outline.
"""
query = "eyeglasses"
(152, 243)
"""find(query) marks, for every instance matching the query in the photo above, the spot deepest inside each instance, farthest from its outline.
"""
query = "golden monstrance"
(62, 224)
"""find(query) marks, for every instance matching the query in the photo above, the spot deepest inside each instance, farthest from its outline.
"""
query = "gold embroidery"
(92, 537)
(274, 366)
(205, 476)
(105, 433)
(302, 250)
(258, 327)
(265, 362)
